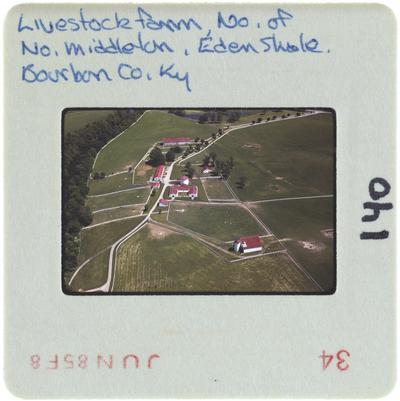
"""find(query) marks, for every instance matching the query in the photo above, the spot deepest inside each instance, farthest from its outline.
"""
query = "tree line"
(79, 151)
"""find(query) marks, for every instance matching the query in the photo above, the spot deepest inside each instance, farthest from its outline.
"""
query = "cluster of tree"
(233, 116)
(156, 157)
(223, 167)
(177, 149)
(177, 112)
(99, 175)
(211, 117)
(241, 183)
(189, 170)
(79, 150)
(170, 156)
(199, 144)
(259, 119)
(209, 160)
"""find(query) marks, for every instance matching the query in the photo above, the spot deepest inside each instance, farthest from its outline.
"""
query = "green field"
(157, 259)
(281, 159)
(130, 147)
(143, 173)
(117, 213)
(110, 184)
(160, 217)
(216, 189)
(76, 119)
(120, 199)
(223, 222)
(299, 222)
(93, 274)
(96, 239)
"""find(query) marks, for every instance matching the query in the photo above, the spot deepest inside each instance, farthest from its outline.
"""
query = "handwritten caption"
(142, 33)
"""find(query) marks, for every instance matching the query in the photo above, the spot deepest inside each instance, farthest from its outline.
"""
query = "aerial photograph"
(198, 201)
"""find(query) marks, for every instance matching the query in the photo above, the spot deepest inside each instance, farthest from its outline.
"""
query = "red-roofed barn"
(181, 140)
(158, 174)
(190, 191)
(248, 244)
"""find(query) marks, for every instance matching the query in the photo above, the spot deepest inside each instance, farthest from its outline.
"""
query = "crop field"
(93, 274)
(96, 239)
(117, 213)
(302, 225)
(134, 196)
(157, 259)
(136, 140)
(223, 222)
(282, 159)
(110, 184)
(216, 189)
(76, 119)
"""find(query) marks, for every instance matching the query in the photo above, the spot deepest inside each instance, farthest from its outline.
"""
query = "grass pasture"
(157, 259)
(76, 119)
(286, 158)
(93, 274)
(112, 183)
(135, 196)
(223, 222)
(216, 189)
(129, 147)
(117, 213)
(300, 224)
(96, 239)
(143, 173)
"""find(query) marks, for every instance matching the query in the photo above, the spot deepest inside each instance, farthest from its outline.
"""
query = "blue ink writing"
(168, 72)
(127, 72)
(82, 23)
(146, 20)
(207, 44)
(232, 21)
(35, 49)
(272, 44)
(283, 16)
(117, 46)
(31, 74)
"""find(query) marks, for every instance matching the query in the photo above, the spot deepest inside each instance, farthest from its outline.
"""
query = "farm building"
(190, 191)
(207, 169)
(163, 203)
(155, 184)
(176, 141)
(248, 244)
(159, 173)
(184, 180)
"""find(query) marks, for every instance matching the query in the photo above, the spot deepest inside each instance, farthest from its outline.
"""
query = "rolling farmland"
(280, 189)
